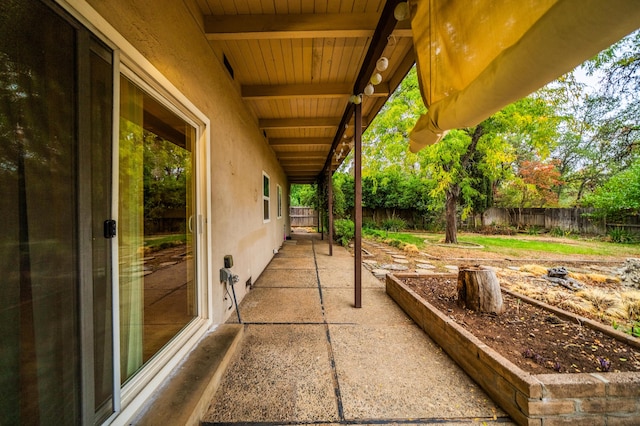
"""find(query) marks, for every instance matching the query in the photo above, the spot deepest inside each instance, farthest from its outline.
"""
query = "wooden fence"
(571, 219)
(303, 216)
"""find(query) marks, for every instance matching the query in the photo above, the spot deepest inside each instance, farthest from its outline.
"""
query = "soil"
(530, 337)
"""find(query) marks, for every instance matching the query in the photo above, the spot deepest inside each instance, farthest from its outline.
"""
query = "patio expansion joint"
(377, 421)
(296, 323)
(332, 359)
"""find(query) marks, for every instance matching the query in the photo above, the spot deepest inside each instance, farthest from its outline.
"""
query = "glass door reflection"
(156, 245)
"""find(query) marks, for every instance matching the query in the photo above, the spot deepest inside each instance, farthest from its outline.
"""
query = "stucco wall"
(168, 34)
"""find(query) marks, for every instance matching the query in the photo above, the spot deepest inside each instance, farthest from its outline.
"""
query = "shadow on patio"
(309, 357)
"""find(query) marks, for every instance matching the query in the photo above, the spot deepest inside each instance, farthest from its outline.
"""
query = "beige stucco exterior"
(167, 34)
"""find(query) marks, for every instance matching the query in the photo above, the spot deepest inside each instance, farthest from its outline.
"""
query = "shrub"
(621, 235)
(394, 224)
(559, 232)
(369, 224)
(344, 231)
(533, 230)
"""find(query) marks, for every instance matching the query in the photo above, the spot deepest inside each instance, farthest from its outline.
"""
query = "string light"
(401, 12)
(375, 79)
(368, 90)
(382, 64)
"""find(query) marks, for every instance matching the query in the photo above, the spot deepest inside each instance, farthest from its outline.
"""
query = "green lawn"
(513, 244)
(158, 242)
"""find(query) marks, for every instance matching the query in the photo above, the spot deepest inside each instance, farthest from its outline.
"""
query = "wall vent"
(227, 65)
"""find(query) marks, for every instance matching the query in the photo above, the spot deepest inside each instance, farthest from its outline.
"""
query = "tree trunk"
(479, 289)
(451, 229)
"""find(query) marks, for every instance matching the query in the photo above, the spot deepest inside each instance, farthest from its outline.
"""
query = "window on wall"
(279, 191)
(266, 201)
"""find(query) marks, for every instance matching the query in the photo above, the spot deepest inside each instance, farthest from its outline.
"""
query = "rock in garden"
(630, 273)
(425, 266)
(380, 273)
(394, 267)
(558, 272)
(559, 275)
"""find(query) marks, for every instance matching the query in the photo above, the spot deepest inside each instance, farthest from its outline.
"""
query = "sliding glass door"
(56, 103)
(156, 226)
(90, 260)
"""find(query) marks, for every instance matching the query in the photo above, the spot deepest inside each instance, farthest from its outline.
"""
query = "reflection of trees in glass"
(167, 170)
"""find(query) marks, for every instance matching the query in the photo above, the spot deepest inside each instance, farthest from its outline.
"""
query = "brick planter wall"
(530, 399)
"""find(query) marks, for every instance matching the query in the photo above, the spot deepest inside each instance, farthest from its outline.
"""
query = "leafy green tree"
(303, 195)
(620, 195)
(466, 161)
(343, 194)
(600, 131)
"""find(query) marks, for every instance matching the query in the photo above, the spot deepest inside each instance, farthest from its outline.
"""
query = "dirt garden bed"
(543, 365)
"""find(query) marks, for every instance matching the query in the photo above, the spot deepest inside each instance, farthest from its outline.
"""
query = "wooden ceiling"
(296, 63)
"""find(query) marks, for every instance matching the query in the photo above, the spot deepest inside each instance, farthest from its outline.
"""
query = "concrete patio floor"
(309, 357)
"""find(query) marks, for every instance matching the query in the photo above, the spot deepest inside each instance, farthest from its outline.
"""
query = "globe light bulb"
(376, 79)
(382, 64)
(401, 11)
(368, 90)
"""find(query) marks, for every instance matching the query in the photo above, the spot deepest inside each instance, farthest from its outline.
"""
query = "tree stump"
(479, 289)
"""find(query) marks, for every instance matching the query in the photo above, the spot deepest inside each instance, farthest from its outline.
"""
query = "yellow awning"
(475, 57)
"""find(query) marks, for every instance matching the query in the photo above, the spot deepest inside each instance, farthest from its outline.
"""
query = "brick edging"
(541, 399)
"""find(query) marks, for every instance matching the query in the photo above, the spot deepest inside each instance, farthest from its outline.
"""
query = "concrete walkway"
(310, 357)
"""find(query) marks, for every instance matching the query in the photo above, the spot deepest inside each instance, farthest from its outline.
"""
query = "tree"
(534, 186)
(303, 195)
(620, 195)
(465, 160)
(600, 130)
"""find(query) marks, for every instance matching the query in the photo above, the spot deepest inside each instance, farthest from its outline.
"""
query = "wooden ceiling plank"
(282, 6)
(307, 60)
(333, 6)
(242, 7)
(326, 58)
(277, 26)
(270, 65)
(204, 7)
(346, 6)
(334, 68)
(346, 67)
(255, 58)
(288, 60)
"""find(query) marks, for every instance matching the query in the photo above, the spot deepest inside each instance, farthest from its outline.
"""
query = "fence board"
(303, 216)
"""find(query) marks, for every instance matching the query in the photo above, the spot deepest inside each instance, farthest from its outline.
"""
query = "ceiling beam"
(308, 173)
(295, 123)
(293, 91)
(384, 29)
(277, 142)
(293, 159)
(309, 25)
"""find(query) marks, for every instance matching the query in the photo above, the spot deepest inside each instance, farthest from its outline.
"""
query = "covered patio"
(316, 74)
(227, 103)
(308, 357)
